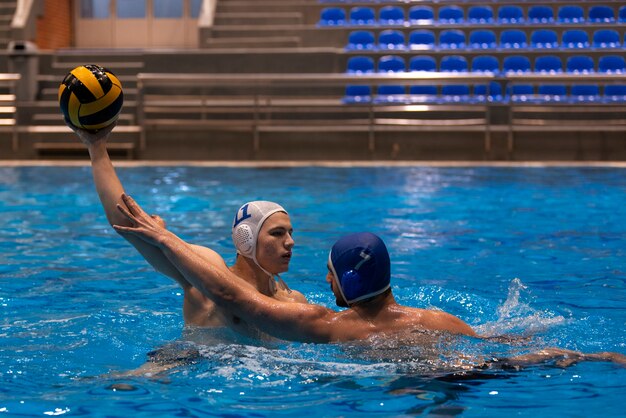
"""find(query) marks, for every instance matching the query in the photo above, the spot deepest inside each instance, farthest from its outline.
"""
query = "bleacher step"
(255, 42)
(258, 18)
(68, 65)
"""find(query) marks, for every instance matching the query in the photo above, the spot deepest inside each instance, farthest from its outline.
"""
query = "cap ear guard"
(244, 240)
(351, 284)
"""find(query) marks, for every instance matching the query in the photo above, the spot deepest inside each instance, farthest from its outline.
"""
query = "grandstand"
(324, 79)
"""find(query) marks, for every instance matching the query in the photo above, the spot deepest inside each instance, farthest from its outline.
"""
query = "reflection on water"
(79, 309)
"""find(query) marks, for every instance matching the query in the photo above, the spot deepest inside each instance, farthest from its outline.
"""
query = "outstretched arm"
(110, 190)
(561, 357)
(210, 275)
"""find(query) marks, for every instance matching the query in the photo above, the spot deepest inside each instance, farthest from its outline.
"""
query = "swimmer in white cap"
(359, 272)
(261, 231)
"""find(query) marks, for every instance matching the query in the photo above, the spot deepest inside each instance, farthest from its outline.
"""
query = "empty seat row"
(579, 64)
(494, 90)
(390, 39)
(476, 15)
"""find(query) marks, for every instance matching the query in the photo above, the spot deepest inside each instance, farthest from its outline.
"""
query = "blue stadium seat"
(359, 93)
(510, 14)
(513, 38)
(453, 64)
(482, 39)
(421, 39)
(612, 64)
(575, 38)
(450, 14)
(359, 40)
(421, 15)
(422, 63)
(332, 16)
(480, 14)
(423, 93)
(544, 39)
(391, 93)
(484, 64)
(362, 16)
(606, 38)
(360, 65)
(452, 39)
(391, 16)
(550, 64)
(601, 14)
(391, 39)
(518, 64)
(615, 93)
(571, 14)
(580, 64)
(454, 92)
(540, 14)
(585, 93)
(621, 15)
(391, 64)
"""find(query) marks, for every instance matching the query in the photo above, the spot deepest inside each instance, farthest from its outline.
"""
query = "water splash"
(516, 316)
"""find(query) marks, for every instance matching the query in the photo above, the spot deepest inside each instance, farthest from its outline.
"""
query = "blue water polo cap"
(360, 266)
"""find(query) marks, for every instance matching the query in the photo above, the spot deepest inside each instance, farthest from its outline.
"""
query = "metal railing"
(262, 97)
(8, 106)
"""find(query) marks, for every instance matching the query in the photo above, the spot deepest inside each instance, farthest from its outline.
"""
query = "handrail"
(24, 23)
(565, 78)
(324, 79)
(257, 85)
(10, 80)
(207, 13)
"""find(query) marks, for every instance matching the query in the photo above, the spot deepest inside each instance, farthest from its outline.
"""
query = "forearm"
(287, 320)
(110, 190)
(107, 183)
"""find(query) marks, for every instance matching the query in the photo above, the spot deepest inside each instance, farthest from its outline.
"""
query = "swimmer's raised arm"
(110, 190)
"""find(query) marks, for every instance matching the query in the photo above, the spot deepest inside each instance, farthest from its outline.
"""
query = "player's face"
(334, 287)
(275, 242)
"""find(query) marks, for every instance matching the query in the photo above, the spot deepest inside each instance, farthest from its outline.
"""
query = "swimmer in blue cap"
(360, 268)
(359, 272)
(261, 233)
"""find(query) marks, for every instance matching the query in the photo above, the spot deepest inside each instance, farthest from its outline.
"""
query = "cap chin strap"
(337, 282)
(272, 282)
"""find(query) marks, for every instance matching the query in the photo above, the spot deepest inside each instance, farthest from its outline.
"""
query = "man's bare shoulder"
(441, 321)
(290, 296)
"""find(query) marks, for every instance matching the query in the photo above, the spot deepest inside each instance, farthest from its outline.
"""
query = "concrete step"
(118, 67)
(57, 119)
(258, 18)
(254, 42)
(51, 93)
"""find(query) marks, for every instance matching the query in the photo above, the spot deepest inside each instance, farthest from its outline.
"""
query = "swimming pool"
(536, 251)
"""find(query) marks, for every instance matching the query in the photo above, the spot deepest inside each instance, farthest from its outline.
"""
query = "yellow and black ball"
(91, 97)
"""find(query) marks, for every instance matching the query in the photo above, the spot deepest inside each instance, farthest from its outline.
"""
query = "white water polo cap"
(248, 222)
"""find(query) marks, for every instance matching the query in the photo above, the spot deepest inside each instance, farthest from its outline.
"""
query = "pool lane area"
(534, 251)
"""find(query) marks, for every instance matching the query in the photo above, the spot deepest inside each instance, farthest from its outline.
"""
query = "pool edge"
(317, 163)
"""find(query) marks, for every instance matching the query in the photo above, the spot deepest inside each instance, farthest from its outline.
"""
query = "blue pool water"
(536, 252)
